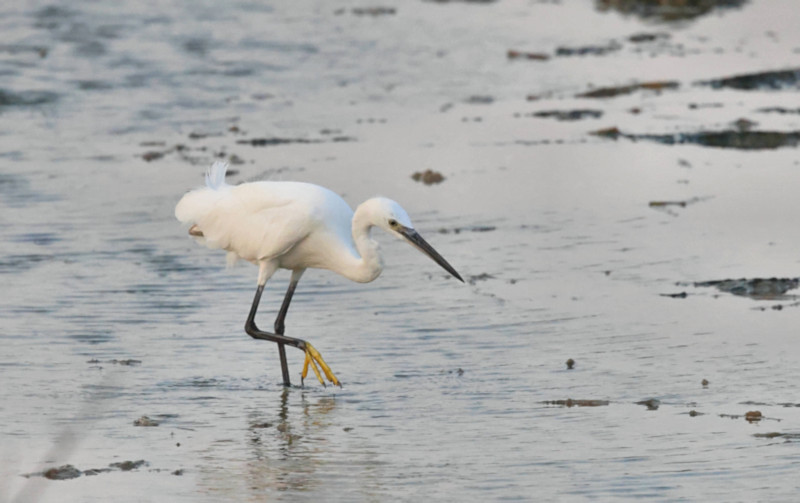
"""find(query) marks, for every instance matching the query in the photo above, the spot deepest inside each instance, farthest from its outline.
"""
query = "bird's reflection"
(289, 444)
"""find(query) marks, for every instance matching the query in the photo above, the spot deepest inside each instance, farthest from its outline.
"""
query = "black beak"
(415, 239)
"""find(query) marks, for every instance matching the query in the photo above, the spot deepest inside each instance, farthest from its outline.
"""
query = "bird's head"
(391, 217)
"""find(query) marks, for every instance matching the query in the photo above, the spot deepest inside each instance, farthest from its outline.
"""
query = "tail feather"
(215, 175)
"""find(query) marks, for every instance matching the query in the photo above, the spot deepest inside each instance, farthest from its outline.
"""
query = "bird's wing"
(256, 222)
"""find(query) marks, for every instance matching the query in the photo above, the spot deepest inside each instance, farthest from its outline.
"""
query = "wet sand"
(662, 263)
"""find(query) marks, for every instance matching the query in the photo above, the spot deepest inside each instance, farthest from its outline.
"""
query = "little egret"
(294, 225)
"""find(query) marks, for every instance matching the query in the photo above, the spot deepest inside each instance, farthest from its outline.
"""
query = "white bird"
(294, 225)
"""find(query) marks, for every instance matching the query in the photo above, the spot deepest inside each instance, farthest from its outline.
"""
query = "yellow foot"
(313, 357)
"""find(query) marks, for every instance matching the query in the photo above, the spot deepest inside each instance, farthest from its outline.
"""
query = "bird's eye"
(392, 222)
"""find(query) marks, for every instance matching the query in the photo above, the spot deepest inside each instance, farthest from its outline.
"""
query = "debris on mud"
(534, 56)
(611, 92)
(753, 415)
(369, 11)
(777, 79)
(681, 295)
(694, 413)
(129, 362)
(153, 155)
(570, 364)
(472, 228)
(779, 110)
(682, 204)
(271, 142)
(666, 10)
(738, 139)
(705, 383)
(569, 402)
(776, 434)
(650, 403)
(744, 124)
(127, 466)
(479, 277)
(639, 38)
(26, 98)
(609, 132)
(145, 421)
(67, 472)
(756, 288)
(567, 115)
(667, 206)
(479, 99)
(588, 50)
(428, 177)
(185, 153)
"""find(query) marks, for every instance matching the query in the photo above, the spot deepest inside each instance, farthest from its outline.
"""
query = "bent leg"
(312, 355)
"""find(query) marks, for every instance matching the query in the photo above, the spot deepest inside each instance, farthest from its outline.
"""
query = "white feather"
(292, 225)
(215, 175)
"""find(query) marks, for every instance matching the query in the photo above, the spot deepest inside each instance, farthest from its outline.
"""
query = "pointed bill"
(415, 239)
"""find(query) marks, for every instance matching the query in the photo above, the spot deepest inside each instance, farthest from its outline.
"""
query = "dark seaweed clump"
(26, 98)
(775, 79)
(738, 139)
(666, 10)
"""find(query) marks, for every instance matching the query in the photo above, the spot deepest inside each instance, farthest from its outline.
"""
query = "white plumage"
(294, 225)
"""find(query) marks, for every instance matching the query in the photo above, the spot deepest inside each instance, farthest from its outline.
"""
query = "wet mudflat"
(661, 264)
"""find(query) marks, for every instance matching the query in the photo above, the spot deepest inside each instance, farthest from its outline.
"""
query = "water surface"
(108, 114)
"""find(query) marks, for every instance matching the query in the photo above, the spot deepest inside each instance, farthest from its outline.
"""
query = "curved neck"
(369, 264)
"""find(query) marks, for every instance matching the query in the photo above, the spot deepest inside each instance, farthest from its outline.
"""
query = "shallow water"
(448, 388)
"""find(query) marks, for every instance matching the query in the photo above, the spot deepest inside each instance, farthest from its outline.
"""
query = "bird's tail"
(215, 175)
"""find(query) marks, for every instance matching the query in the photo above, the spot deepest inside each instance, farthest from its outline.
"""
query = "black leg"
(279, 328)
(252, 330)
